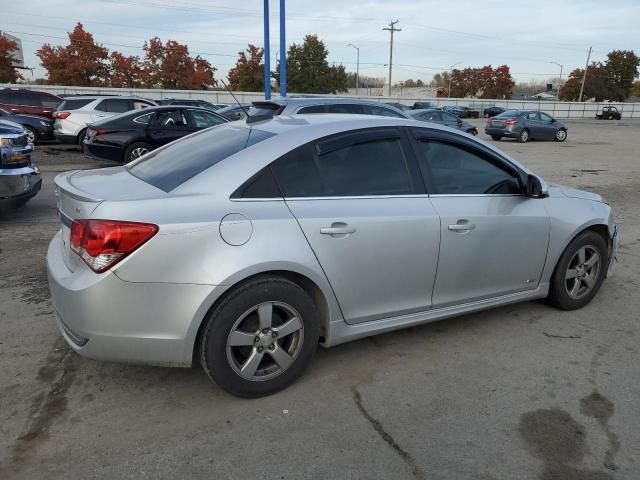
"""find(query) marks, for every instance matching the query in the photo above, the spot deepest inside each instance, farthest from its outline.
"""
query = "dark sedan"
(126, 137)
(234, 112)
(39, 128)
(493, 111)
(525, 125)
(191, 103)
(443, 118)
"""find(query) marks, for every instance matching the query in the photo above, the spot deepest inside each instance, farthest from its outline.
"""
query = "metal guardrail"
(555, 109)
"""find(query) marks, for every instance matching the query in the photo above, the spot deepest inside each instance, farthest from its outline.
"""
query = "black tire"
(81, 136)
(561, 135)
(610, 117)
(133, 150)
(524, 136)
(496, 137)
(559, 296)
(473, 132)
(214, 352)
(34, 132)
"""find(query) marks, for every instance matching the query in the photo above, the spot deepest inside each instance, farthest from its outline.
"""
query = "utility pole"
(357, 68)
(450, 75)
(391, 29)
(584, 76)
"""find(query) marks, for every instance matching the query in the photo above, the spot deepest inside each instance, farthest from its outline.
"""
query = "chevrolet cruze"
(244, 246)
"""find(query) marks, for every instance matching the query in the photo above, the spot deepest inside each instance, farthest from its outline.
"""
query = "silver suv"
(74, 113)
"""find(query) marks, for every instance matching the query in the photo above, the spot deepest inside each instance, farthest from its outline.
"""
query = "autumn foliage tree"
(126, 71)
(248, 74)
(484, 82)
(82, 62)
(8, 74)
(169, 65)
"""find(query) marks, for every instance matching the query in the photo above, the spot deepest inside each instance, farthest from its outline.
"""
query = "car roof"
(319, 101)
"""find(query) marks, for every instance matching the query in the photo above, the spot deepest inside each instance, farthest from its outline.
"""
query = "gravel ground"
(520, 392)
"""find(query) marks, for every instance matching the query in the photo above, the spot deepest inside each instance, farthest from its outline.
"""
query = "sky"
(435, 34)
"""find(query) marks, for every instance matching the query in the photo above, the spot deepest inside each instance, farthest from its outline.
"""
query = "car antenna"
(246, 112)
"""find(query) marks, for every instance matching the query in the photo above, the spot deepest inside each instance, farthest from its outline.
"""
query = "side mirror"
(553, 120)
(535, 187)
(459, 123)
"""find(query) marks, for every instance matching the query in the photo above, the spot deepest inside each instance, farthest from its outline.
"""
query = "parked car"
(399, 106)
(609, 113)
(525, 125)
(245, 245)
(423, 105)
(74, 114)
(28, 102)
(293, 105)
(39, 128)
(19, 177)
(126, 137)
(461, 112)
(234, 112)
(191, 102)
(493, 111)
(443, 118)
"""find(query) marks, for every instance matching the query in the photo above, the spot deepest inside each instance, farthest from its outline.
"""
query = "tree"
(169, 65)
(364, 81)
(635, 88)
(484, 82)
(440, 80)
(308, 70)
(126, 71)
(596, 84)
(622, 68)
(83, 62)
(248, 74)
(8, 74)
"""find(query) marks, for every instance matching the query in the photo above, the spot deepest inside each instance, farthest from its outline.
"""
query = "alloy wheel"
(583, 272)
(265, 341)
(561, 135)
(138, 152)
(524, 136)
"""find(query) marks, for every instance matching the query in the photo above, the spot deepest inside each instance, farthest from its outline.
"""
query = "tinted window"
(510, 113)
(50, 101)
(204, 120)
(532, 115)
(143, 119)
(195, 153)
(314, 109)
(431, 116)
(454, 170)
(170, 119)
(74, 104)
(372, 167)
(116, 105)
(346, 108)
(261, 185)
(545, 118)
(28, 99)
(449, 118)
(384, 112)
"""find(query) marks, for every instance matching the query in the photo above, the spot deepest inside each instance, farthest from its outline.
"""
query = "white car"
(74, 113)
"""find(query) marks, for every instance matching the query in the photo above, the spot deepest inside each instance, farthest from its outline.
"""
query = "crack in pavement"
(377, 426)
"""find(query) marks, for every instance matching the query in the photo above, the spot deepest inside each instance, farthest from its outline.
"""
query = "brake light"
(511, 122)
(103, 243)
(61, 115)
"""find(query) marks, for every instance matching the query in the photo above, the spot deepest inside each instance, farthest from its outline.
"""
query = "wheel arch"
(320, 298)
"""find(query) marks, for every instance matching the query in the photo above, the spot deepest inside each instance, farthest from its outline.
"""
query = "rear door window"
(114, 105)
(195, 153)
(75, 103)
(384, 112)
(347, 108)
(170, 119)
(202, 119)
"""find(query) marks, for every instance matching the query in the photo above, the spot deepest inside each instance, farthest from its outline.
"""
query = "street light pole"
(451, 74)
(561, 66)
(391, 29)
(357, 68)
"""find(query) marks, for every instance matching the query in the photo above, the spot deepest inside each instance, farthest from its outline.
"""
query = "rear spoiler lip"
(62, 182)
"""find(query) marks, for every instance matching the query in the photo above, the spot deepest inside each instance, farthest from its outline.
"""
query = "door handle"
(462, 226)
(337, 228)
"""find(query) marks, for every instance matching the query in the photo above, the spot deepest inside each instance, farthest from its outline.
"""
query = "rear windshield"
(510, 113)
(74, 104)
(171, 166)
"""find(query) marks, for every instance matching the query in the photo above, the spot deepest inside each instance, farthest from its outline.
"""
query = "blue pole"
(267, 63)
(283, 53)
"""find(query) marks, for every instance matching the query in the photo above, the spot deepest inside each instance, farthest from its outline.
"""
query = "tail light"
(103, 243)
(94, 132)
(511, 122)
(61, 115)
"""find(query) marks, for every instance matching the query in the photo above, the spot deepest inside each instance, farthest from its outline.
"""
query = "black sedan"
(125, 137)
(234, 112)
(493, 111)
(39, 128)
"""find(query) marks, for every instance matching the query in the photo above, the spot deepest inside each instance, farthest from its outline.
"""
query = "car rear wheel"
(524, 136)
(136, 150)
(496, 137)
(34, 136)
(579, 273)
(81, 136)
(610, 117)
(260, 338)
(561, 135)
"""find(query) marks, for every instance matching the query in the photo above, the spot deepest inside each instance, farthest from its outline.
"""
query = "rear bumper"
(502, 132)
(105, 318)
(96, 151)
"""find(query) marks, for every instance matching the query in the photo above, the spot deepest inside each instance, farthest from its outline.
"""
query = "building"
(18, 53)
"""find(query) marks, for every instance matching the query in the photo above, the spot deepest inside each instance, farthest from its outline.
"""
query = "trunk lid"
(80, 192)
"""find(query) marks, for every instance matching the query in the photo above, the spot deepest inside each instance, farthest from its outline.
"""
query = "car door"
(201, 119)
(169, 125)
(362, 206)
(547, 126)
(532, 122)
(494, 239)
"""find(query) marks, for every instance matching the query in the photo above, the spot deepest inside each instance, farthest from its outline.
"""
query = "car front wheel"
(260, 338)
(496, 137)
(580, 272)
(561, 135)
(34, 136)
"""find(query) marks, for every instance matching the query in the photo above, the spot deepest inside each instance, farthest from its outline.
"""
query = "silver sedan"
(244, 246)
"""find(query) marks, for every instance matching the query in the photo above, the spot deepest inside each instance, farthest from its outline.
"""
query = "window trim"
(418, 133)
